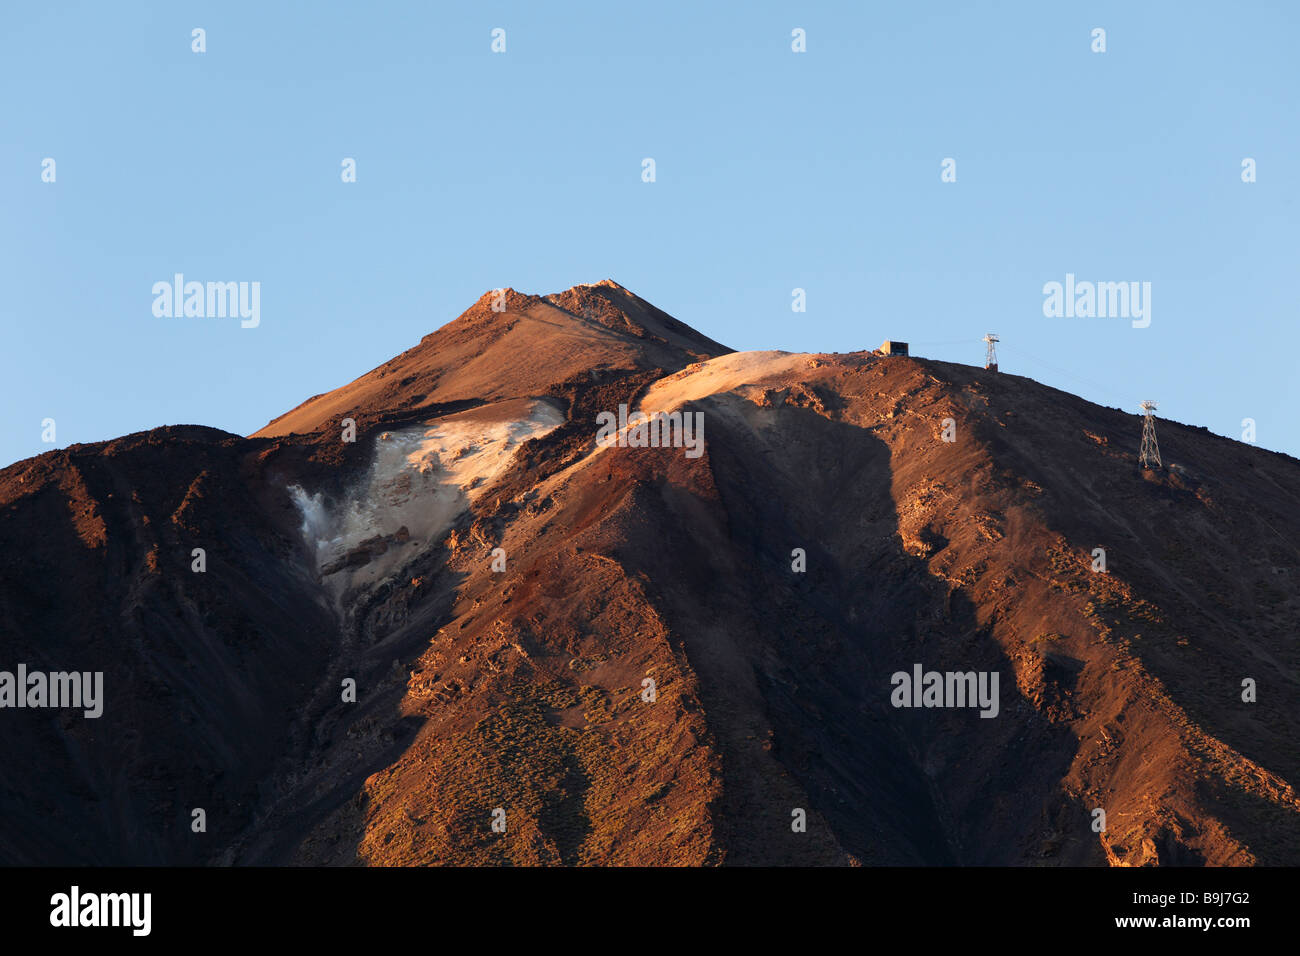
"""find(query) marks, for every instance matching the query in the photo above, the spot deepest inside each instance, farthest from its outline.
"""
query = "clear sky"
(775, 170)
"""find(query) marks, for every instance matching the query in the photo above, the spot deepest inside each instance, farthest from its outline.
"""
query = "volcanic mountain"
(427, 618)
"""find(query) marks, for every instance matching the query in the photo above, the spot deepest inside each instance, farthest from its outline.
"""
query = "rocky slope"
(500, 588)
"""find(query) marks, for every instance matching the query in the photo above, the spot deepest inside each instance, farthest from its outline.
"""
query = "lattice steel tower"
(1149, 457)
(991, 356)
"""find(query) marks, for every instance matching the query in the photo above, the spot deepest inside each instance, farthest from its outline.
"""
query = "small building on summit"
(890, 347)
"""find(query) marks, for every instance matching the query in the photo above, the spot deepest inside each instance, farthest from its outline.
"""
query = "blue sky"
(774, 170)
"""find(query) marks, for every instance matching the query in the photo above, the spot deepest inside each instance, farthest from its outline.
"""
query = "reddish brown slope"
(203, 672)
(521, 689)
(774, 686)
(485, 356)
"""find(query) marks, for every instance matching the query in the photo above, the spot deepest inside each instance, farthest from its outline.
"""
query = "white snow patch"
(420, 479)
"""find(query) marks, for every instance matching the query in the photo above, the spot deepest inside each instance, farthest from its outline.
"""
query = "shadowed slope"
(500, 590)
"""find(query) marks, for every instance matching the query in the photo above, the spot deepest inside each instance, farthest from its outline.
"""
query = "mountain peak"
(605, 283)
(510, 345)
(500, 580)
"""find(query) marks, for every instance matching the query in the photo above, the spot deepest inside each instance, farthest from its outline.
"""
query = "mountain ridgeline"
(889, 611)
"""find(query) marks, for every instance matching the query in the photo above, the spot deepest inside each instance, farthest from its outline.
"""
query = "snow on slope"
(420, 480)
